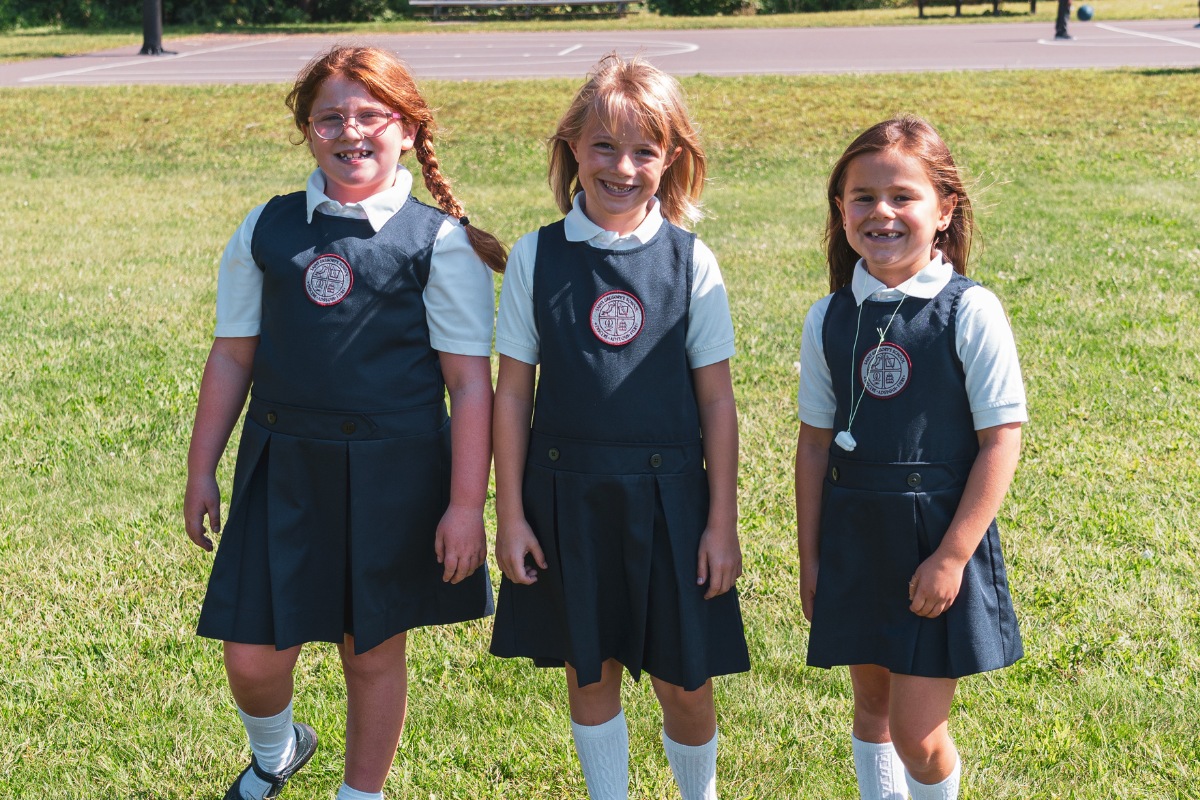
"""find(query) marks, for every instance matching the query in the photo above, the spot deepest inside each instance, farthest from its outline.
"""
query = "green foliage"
(96, 14)
(112, 234)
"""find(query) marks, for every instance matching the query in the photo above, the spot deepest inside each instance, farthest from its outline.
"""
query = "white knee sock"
(879, 770)
(348, 793)
(273, 741)
(604, 756)
(946, 790)
(694, 767)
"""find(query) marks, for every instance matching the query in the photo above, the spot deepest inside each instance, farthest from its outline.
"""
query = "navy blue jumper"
(888, 503)
(615, 488)
(343, 471)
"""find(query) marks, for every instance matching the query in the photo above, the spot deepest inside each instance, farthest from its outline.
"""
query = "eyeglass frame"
(392, 116)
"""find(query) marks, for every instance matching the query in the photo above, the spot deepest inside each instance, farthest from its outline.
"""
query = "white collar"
(578, 228)
(932, 278)
(376, 209)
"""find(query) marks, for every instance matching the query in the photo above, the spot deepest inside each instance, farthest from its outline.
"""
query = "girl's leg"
(877, 766)
(690, 737)
(601, 737)
(376, 701)
(260, 678)
(919, 714)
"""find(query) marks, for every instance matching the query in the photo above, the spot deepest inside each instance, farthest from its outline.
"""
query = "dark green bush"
(128, 13)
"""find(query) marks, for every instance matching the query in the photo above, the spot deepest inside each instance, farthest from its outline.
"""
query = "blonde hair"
(914, 137)
(655, 100)
(389, 81)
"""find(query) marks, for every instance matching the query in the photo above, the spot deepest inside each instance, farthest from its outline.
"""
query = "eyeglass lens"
(369, 124)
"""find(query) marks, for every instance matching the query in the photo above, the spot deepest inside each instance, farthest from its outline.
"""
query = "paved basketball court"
(231, 58)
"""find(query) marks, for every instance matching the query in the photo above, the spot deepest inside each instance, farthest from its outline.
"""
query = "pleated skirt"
(331, 530)
(620, 527)
(878, 523)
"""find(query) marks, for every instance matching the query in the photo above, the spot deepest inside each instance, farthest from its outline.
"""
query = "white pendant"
(845, 441)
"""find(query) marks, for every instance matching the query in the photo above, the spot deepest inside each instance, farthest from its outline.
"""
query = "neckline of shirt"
(376, 209)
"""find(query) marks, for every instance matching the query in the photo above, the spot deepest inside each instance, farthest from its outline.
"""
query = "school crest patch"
(328, 280)
(885, 371)
(617, 318)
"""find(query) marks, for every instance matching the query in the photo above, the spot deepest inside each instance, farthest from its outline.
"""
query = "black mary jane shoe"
(306, 745)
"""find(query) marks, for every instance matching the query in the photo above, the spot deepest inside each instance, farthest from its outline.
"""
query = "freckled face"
(892, 213)
(619, 170)
(356, 167)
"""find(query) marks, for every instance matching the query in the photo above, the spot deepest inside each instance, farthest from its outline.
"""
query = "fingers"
(193, 523)
(457, 567)
(515, 565)
(926, 602)
(721, 576)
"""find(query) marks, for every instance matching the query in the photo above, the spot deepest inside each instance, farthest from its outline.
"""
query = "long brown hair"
(389, 81)
(914, 137)
(655, 99)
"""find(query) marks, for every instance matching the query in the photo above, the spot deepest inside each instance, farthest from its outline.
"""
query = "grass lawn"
(115, 217)
(51, 42)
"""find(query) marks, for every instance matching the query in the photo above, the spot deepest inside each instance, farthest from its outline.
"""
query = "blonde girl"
(617, 510)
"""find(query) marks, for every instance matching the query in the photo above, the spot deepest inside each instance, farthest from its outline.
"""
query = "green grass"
(112, 228)
(52, 42)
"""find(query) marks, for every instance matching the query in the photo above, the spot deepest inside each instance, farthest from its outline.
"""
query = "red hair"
(388, 80)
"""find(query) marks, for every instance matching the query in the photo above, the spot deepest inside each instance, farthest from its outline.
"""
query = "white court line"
(1170, 39)
(569, 50)
(142, 60)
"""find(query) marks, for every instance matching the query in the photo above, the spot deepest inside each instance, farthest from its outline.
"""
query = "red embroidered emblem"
(885, 371)
(617, 318)
(328, 280)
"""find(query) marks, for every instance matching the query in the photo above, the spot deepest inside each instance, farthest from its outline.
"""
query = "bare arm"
(513, 412)
(812, 459)
(936, 582)
(223, 390)
(461, 544)
(720, 556)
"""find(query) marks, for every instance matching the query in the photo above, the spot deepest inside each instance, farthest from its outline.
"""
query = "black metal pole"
(152, 28)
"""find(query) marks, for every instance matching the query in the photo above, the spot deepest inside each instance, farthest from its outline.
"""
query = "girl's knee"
(920, 750)
(251, 665)
(677, 701)
(871, 702)
(383, 660)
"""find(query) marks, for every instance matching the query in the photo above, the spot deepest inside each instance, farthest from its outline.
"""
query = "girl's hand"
(934, 585)
(808, 588)
(460, 544)
(202, 498)
(515, 543)
(720, 562)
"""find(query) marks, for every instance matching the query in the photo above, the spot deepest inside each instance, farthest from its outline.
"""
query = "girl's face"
(619, 170)
(892, 212)
(356, 167)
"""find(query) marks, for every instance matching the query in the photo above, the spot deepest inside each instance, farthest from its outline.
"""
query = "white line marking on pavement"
(142, 60)
(1170, 39)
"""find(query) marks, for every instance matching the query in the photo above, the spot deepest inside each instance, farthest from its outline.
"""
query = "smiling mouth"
(886, 236)
(617, 188)
(354, 155)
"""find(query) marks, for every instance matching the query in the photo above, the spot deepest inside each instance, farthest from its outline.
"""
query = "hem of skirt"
(898, 670)
(542, 661)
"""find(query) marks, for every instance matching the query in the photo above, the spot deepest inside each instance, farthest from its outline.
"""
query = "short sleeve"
(815, 399)
(460, 299)
(985, 345)
(516, 325)
(239, 283)
(710, 326)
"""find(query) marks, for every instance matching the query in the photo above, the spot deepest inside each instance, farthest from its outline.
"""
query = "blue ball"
(1085, 13)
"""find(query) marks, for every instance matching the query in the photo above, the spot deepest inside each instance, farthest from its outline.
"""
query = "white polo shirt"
(459, 296)
(710, 328)
(983, 340)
